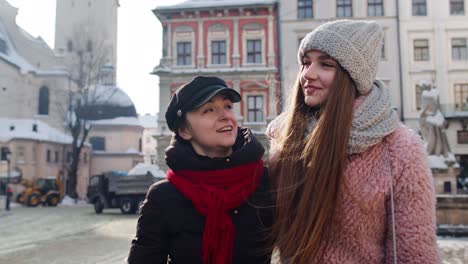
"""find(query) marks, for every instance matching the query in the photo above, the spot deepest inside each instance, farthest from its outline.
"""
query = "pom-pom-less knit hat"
(356, 45)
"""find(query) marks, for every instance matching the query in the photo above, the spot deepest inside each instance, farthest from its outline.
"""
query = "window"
(255, 108)
(375, 8)
(461, 96)
(98, 143)
(69, 156)
(421, 50)
(419, 91)
(344, 8)
(447, 187)
(305, 9)
(382, 54)
(69, 46)
(89, 46)
(457, 7)
(43, 101)
(48, 157)
(56, 157)
(20, 153)
(3, 46)
(459, 49)
(254, 51)
(419, 8)
(218, 52)
(85, 158)
(184, 53)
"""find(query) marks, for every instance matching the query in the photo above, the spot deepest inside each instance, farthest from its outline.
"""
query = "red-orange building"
(234, 40)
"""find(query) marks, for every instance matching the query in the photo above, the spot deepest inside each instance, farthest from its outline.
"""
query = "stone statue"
(432, 124)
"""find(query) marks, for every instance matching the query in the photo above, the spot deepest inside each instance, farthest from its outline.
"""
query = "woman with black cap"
(214, 207)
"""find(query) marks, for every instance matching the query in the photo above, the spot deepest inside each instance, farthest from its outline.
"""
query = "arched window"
(43, 101)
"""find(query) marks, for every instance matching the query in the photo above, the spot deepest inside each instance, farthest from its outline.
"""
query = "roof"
(22, 128)
(28, 53)
(107, 102)
(197, 4)
(109, 95)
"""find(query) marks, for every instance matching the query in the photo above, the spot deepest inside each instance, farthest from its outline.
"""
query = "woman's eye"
(208, 110)
(229, 106)
(328, 64)
(306, 63)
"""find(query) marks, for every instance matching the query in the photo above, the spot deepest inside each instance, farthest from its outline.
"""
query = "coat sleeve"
(150, 244)
(414, 205)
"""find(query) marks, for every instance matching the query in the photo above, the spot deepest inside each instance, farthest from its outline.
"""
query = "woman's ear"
(184, 133)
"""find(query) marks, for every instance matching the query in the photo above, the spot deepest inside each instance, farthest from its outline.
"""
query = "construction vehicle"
(46, 191)
(115, 189)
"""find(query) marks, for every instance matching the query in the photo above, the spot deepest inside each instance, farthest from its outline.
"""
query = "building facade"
(77, 18)
(39, 151)
(32, 78)
(297, 18)
(149, 142)
(434, 52)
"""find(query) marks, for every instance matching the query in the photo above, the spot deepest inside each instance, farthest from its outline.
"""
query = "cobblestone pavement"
(76, 235)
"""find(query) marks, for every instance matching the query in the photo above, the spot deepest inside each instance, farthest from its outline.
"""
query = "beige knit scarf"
(372, 120)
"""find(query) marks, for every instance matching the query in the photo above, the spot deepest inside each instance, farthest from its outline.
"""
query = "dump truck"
(115, 189)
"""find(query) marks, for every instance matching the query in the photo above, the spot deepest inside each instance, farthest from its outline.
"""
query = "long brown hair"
(308, 168)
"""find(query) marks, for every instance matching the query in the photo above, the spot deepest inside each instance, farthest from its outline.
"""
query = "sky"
(139, 40)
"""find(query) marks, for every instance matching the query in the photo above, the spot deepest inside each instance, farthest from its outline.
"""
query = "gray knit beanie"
(356, 45)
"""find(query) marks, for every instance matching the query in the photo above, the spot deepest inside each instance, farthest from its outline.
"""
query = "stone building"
(39, 151)
(297, 18)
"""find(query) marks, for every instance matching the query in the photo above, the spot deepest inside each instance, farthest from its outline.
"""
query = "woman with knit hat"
(351, 182)
(215, 206)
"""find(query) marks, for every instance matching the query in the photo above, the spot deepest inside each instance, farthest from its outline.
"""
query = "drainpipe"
(402, 107)
(280, 55)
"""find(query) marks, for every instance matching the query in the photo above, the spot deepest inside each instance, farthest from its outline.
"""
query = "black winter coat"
(170, 229)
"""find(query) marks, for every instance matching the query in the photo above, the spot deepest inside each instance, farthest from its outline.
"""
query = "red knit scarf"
(213, 194)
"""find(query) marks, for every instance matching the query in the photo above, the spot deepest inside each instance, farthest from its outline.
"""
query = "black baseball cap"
(194, 94)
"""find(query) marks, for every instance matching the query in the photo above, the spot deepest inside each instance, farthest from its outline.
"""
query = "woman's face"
(212, 128)
(317, 75)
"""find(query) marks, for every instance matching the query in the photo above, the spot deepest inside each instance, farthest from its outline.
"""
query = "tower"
(92, 22)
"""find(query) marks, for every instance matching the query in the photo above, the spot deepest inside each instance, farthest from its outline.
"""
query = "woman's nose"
(226, 114)
(310, 73)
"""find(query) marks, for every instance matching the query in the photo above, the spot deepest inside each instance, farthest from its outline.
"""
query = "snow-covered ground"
(64, 235)
(73, 233)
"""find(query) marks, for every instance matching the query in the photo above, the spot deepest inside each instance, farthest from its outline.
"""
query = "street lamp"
(6, 155)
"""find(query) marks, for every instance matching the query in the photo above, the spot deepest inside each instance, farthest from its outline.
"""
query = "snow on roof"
(214, 3)
(143, 168)
(109, 95)
(119, 121)
(16, 128)
(149, 121)
(437, 162)
(11, 55)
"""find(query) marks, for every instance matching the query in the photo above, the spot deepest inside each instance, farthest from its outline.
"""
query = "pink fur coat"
(364, 212)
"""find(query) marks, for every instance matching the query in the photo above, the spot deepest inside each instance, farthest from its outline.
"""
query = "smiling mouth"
(311, 90)
(225, 129)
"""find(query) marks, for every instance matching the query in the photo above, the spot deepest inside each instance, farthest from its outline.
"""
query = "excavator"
(46, 191)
